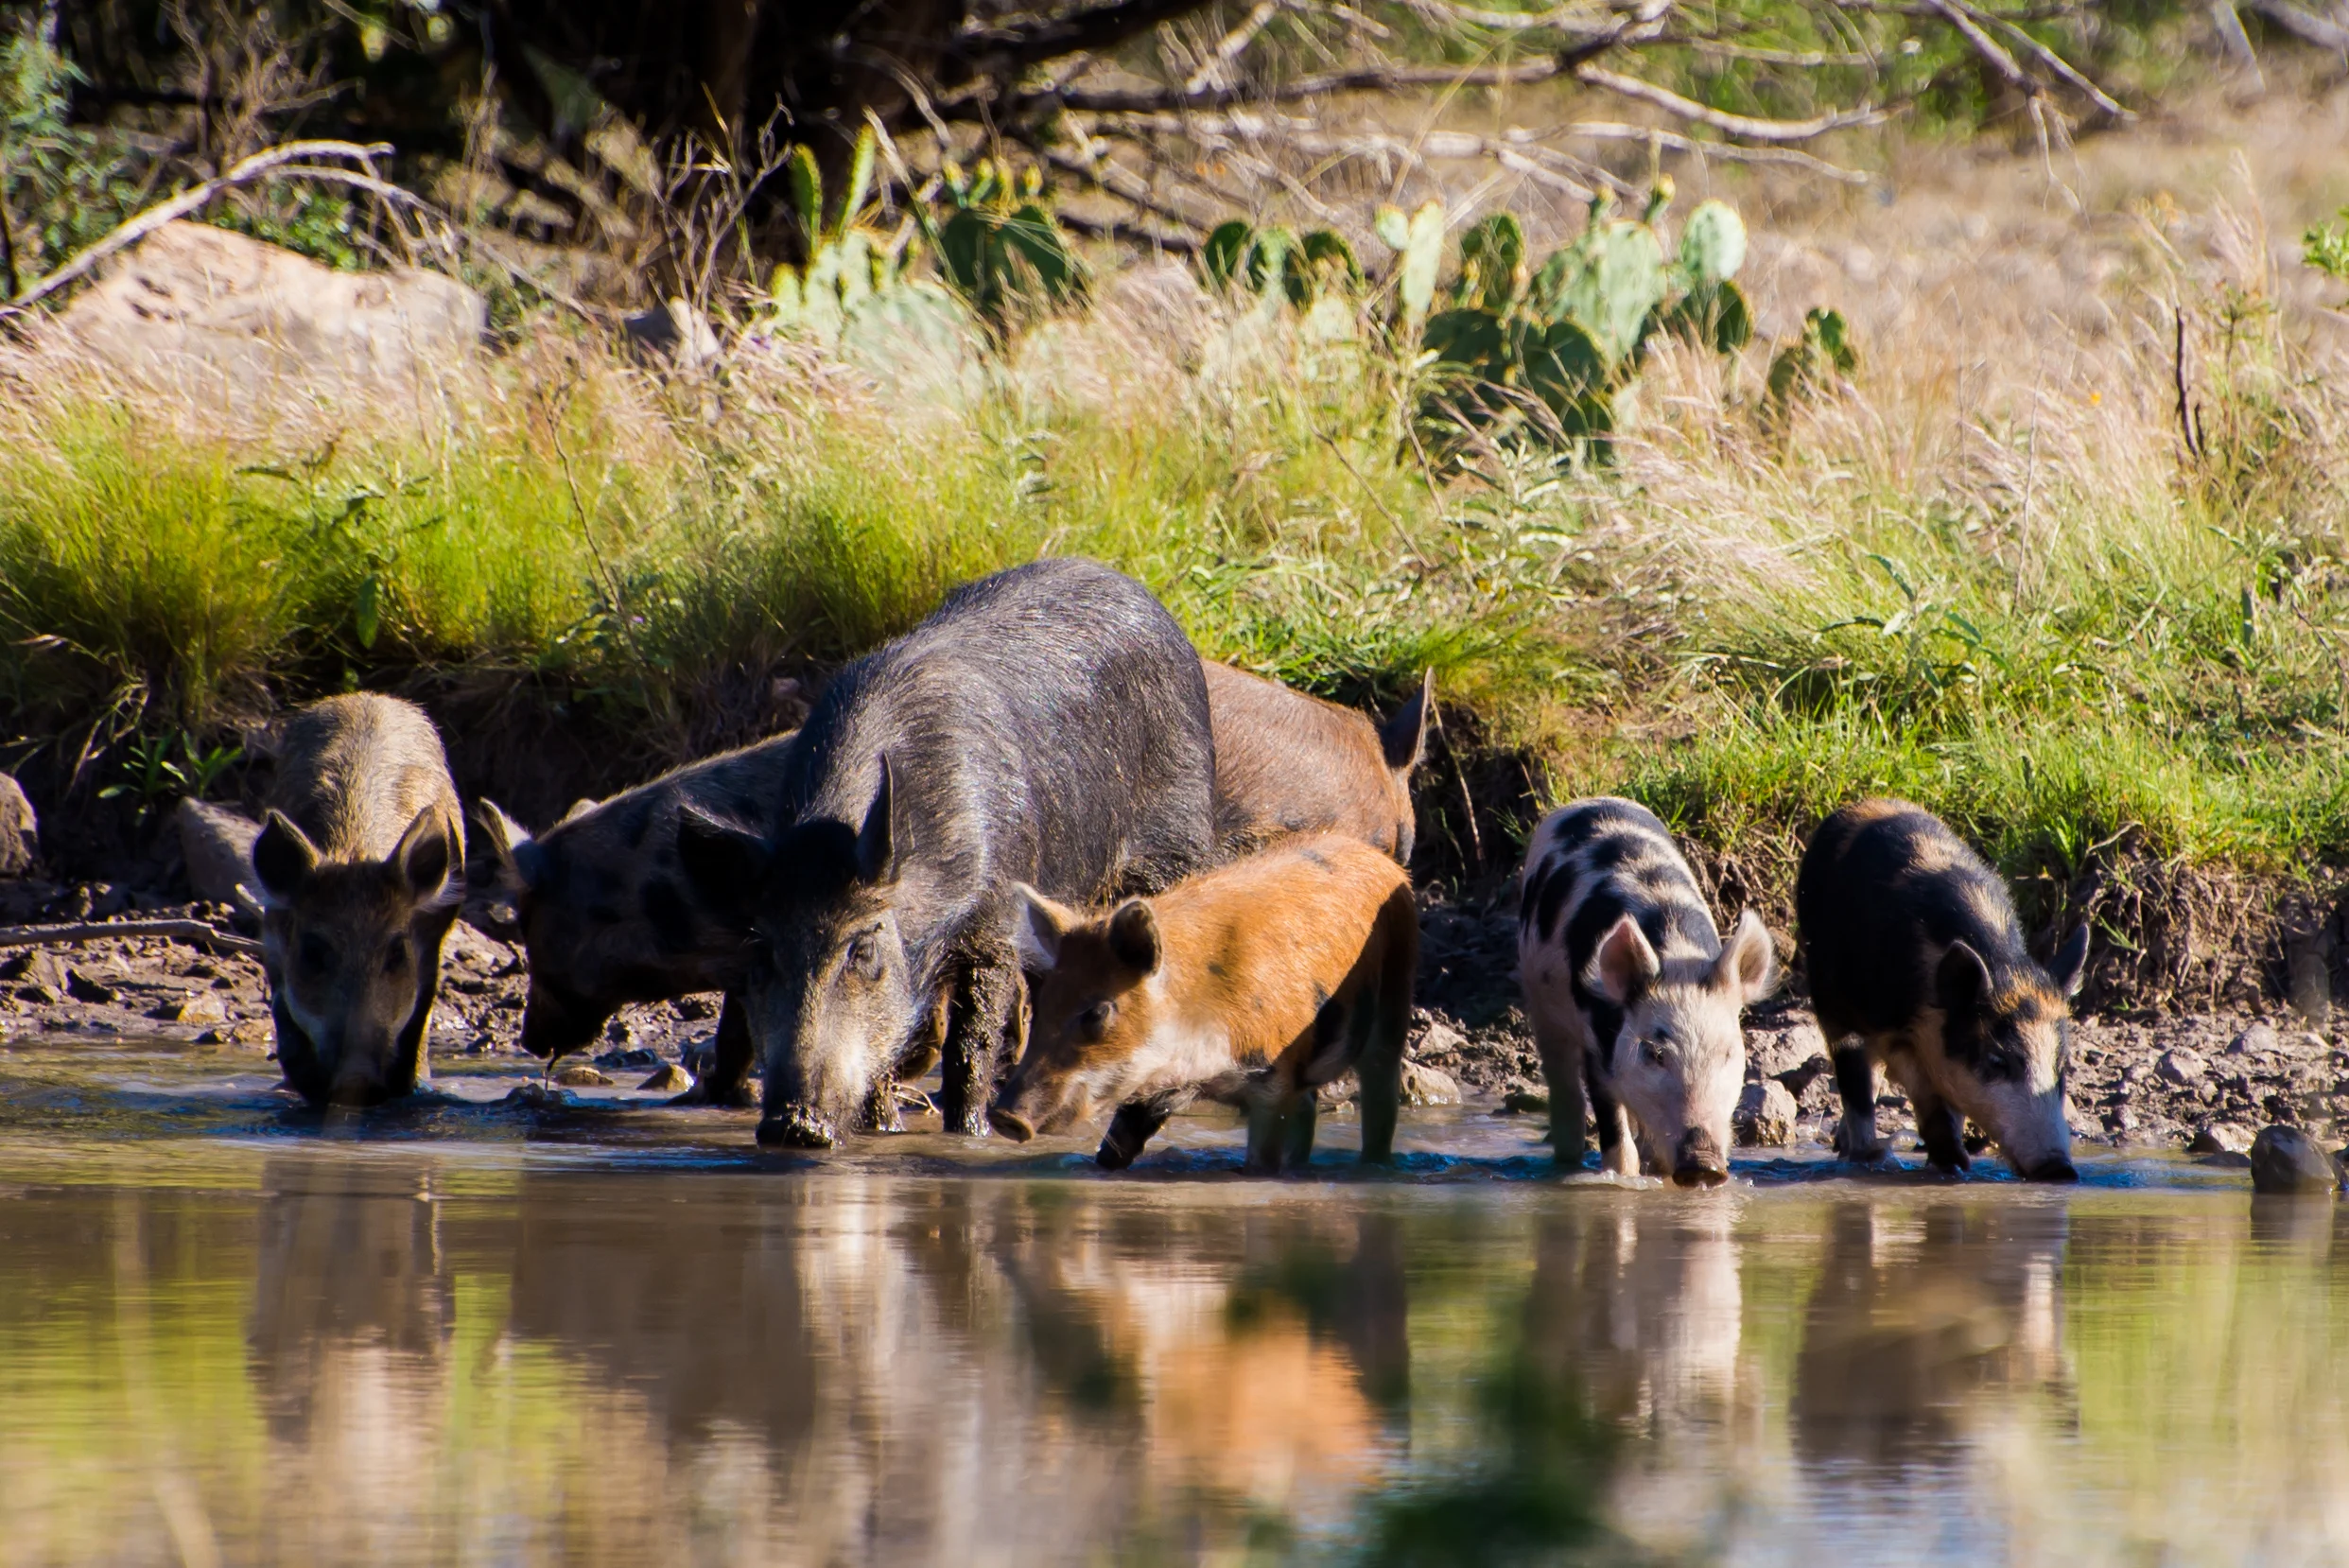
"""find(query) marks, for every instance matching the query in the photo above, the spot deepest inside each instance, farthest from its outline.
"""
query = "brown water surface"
(235, 1333)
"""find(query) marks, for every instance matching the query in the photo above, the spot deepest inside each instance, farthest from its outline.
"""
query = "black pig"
(1913, 944)
(609, 916)
(1048, 724)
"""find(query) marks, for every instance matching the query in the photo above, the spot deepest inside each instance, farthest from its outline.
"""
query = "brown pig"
(360, 862)
(1254, 984)
(1287, 763)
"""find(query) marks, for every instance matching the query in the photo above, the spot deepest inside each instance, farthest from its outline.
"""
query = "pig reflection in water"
(1921, 1326)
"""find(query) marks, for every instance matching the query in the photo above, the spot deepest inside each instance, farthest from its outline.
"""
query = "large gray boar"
(1912, 945)
(360, 862)
(608, 916)
(1288, 765)
(1048, 724)
(1632, 991)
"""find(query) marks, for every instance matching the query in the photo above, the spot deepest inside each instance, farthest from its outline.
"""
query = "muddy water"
(234, 1334)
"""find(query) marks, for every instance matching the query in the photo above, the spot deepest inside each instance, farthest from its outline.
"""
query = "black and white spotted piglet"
(1631, 990)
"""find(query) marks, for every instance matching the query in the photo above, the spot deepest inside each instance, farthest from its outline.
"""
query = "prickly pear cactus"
(1805, 366)
(1418, 242)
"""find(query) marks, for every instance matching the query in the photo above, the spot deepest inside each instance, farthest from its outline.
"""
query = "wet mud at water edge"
(600, 1330)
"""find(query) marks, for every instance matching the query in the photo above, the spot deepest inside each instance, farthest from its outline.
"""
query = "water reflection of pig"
(1906, 1338)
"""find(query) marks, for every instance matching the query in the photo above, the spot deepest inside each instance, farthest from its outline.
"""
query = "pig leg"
(1269, 1115)
(1561, 1067)
(1619, 1152)
(880, 1107)
(727, 1083)
(1129, 1130)
(1940, 1126)
(1379, 1069)
(1855, 1082)
(1297, 1133)
(985, 999)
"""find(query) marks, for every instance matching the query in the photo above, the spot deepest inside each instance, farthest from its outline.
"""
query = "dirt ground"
(2162, 1082)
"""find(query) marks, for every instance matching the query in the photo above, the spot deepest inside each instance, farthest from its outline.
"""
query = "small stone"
(34, 966)
(39, 995)
(634, 1059)
(82, 988)
(20, 830)
(202, 1007)
(2179, 1068)
(671, 1079)
(2121, 1120)
(1436, 1041)
(1779, 1053)
(1423, 1085)
(2220, 1138)
(692, 1009)
(2285, 1159)
(2257, 1040)
(253, 1032)
(580, 1076)
(1765, 1116)
(2227, 1159)
(1524, 1101)
(620, 1033)
(537, 1096)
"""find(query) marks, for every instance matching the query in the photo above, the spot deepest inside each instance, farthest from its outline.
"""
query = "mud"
(2154, 1082)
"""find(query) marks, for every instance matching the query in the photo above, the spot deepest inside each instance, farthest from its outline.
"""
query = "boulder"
(1798, 1049)
(2285, 1159)
(2220, 1138)
(1765, 1116)
(580, 1075)
(2179, 1069)
(671, 1079)
(201, 311)
(20, 830)
(216, 845)
(1423, 1085)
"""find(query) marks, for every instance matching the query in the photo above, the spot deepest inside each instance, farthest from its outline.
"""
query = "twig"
(132, 230)
(2304, 25)
(2188, 427)
(197, 932)
(1728, 151)
(1216, 70)
(1745, 126)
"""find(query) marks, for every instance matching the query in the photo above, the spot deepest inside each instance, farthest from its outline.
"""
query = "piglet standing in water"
(360, 862)
(1048, 724)
(1254, 984)
(1632, 992)
(1911, 944)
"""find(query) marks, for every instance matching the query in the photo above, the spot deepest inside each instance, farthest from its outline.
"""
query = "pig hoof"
(1114, 1156)
(796, 1128)
(1015, 1127)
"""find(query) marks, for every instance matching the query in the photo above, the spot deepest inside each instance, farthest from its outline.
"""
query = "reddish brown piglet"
(1253, 984)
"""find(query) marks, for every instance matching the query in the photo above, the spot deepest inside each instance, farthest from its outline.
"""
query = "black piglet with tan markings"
(1632, 992)
(1917, 962)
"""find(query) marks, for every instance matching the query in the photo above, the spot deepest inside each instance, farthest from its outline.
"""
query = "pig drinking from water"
(1633, 994)
(360, 862)
(609, 916)
(1912, 945)
(1287, 763)
(1048, 724)
(1254, 984)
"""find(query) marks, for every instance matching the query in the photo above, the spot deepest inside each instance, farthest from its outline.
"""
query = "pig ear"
(724, 863)
(1133, 937)
(1404, 738)
(425, 857)
(877, 855)
(283, 857)
(1623, 965)
(1038, 926)
(580, 808)
(2070, 962)
(1963, 980)
(519, 859)
(1747, 968)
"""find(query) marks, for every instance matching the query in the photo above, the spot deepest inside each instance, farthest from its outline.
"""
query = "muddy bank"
(2162, 1082)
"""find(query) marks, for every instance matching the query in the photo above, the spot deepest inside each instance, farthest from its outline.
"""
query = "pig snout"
(554, 1026)
(1011, 1124)
(1699, 1161)
(797, 1126)
(2055, 1167)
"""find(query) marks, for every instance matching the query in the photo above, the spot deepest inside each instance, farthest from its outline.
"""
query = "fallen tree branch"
(1734, 152)
(268, 160)
(2304, 25)
(194, 931)
(1745, 126)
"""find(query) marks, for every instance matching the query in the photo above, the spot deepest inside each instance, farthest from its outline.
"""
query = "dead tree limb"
(194, 931)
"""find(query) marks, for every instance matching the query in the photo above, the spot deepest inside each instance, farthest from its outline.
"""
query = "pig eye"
(395, 958)
(1095, 1020)
(864, 958)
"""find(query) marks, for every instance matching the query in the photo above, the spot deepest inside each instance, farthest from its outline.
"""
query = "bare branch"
(1727, 151)
(1745, 126)
(1095, 29)
(2304, 25)
(196, 931)
(1216, 71)
(1363, 78)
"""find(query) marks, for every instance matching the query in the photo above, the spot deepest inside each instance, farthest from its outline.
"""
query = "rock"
(1765, 1116)
(40, 995)
(1781, 1052)
(580, 1075)
(537, 1096)
(208, 314)
(2285, 1159)
(216, 845)
(634, 1059)
(693, 1009)
(82, 988)
(674, 332)
(2227, 1159)
(1524, 1101)
(202, 1007)
(1436, 1041)
(1423, 1085)
(470, 947)
(2178, 1067)
(34, 966)
(621, 1034)
(2257, 1040)
(2220, 1138)
(671, 1079)
(20, 830)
